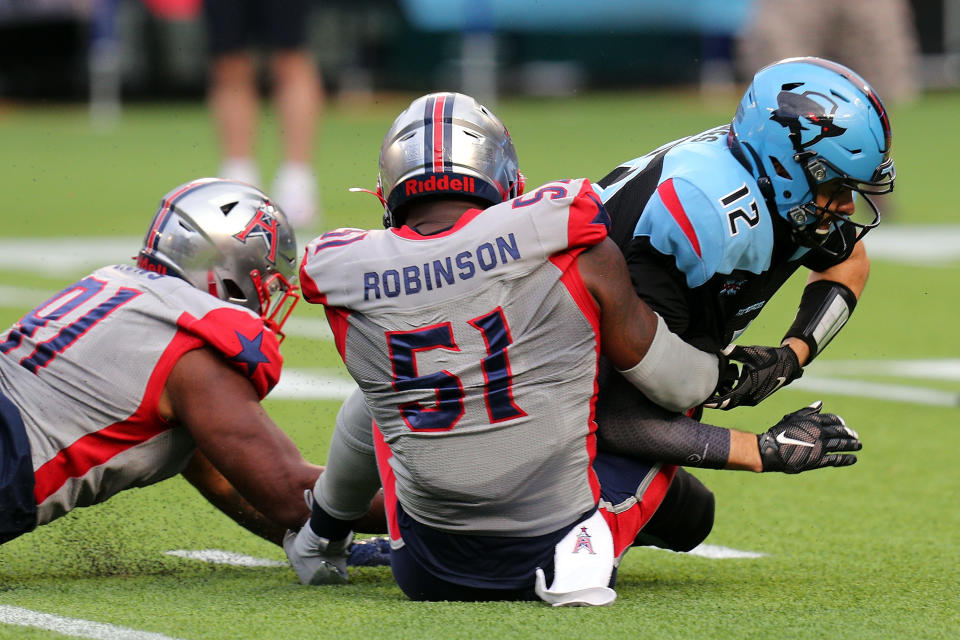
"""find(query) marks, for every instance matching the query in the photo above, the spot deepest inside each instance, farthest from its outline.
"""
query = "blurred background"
(149, 49)
(106, 104)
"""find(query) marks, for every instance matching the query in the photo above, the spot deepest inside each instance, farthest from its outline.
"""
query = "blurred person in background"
(237, 31)
(878, 38)
(712, 225)
(134, 374)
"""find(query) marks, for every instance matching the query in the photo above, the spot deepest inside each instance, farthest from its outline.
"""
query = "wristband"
(824, 308)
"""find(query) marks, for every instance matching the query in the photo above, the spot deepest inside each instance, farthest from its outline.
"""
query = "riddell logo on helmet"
(147, 264)
(433, 184)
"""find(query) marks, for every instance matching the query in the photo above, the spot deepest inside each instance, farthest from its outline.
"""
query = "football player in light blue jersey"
(712, 225)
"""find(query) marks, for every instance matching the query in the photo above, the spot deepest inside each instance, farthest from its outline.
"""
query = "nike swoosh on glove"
(763, 370)
(807, 439)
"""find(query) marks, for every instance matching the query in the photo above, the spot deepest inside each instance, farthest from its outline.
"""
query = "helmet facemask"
(813, 223)
(278, 297)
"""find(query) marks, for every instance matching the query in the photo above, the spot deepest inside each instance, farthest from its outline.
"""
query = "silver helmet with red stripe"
(449, 145)
(229, 239)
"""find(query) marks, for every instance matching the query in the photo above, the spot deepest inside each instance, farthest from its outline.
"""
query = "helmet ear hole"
(233, 290)
(227, 208)
(780, 169)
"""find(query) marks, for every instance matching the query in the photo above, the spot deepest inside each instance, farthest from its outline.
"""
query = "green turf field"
(870, 551)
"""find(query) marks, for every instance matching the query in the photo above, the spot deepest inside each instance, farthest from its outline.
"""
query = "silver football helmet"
(227, 238)
(446, 144)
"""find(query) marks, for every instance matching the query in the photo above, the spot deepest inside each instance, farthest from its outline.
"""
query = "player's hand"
(317, 560)
(807, 439)
(763, 370)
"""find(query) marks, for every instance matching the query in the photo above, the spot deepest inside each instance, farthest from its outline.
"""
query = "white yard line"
(219, 556)
(716, 552)
(313, 384)
(890, 392)
(922, 245)
(74, 627)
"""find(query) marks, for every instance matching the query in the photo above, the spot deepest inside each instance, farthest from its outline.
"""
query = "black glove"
(804, 439)
(763, 371)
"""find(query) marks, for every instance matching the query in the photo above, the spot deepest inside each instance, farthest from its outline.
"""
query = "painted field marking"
(890, 392)
(74, 627)
(219, 556)
(716, 552)
(921, 245)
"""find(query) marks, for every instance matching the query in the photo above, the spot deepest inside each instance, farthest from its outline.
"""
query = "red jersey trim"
(389, 482)
(577, 288)
(95, 449)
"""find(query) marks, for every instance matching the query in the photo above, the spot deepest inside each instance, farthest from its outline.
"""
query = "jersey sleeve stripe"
(668, 194)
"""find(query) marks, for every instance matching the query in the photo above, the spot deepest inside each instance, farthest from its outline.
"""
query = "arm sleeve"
(631, 425)
(673, 373)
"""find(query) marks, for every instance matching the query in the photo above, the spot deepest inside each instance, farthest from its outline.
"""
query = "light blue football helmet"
(806, 121)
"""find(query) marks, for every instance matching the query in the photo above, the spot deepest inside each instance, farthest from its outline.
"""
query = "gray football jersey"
(476, 350)
(86, 369)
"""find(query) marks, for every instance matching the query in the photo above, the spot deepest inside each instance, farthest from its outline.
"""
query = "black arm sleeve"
(631, 425)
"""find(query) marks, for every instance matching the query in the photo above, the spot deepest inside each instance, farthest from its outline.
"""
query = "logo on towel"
(583, 542)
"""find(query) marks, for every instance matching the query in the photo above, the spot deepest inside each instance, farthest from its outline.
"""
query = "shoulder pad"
(245, 343)
(725, 210)
(678, 220)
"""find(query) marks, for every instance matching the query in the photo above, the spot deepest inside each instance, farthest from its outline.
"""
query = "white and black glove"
(807, 439)
(317, 560)
(762, 371)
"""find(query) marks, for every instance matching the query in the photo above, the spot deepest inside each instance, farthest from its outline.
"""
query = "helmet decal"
(865, 89)
(438, 131)
(813, 107)
(263, 224)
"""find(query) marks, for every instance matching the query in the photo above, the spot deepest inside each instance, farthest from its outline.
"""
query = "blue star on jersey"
(251, 354)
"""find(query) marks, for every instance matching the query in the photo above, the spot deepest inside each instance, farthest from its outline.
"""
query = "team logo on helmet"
(263, 224)
(808, 116)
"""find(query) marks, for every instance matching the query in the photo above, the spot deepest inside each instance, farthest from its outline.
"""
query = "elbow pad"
(824, 308)
(674, 374)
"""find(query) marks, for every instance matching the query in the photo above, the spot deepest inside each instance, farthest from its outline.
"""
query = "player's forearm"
(221, 494)
(744, 454)
(252, 520)
(827, 303)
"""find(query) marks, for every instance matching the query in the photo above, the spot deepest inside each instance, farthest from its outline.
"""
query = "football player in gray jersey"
(136, 373)
(485, 434)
